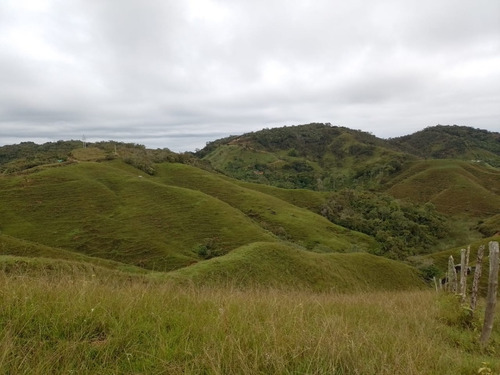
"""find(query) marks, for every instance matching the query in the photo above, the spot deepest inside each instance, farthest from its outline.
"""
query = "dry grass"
(86, 325)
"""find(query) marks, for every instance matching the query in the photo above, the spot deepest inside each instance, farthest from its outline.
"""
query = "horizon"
(84, 138)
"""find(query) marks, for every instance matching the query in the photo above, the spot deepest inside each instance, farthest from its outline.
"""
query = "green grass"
(285, 220)
(286, 266)
(76, 324)
(11, 246)
(111, 211)
(312, 200)
(490, 226)
(453, 186)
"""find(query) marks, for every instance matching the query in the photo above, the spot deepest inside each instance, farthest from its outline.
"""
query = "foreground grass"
(87, 325)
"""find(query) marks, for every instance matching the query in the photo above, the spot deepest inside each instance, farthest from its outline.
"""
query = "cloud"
(178, 74)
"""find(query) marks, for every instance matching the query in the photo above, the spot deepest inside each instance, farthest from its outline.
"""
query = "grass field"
(453, 186)
(287, 266)
(85, 323)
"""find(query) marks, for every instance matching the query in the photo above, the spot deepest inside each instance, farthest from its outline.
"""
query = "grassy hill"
(119, 259)
(111, 211)
(26, 253)
(164, 211)
(285, 266)
(452, 167)
(182, 215)
(284, 220)
(453, 186)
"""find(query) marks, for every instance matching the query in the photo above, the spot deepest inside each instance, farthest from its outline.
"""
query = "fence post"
(475, 281)
(452, 275)
(462, 275)
(491, 298)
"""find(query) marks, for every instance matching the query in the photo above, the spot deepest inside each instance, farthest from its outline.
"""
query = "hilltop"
(437, 164)
(452, 142)
(313, 156)
(325, 157)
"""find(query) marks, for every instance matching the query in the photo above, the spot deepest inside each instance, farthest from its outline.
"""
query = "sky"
(179, 73)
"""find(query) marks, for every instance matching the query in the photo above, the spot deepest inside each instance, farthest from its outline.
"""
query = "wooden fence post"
(475, 281)
(452, 275)
(491, 298)
(463, 275)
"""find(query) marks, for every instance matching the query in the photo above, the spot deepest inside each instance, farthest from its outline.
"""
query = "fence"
(456, 282)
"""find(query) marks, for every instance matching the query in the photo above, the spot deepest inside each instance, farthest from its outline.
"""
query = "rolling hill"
(119, 259)
(315, 197)
(180, 216)
(282, 266)
(454, 186)
(454, 167)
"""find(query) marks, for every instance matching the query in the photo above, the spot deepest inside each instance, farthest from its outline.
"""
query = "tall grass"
(88, 325)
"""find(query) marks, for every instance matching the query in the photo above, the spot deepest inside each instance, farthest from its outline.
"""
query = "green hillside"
(452, 142)
(313, 156)
(119, 259)
(316, 188)
(282, 265)
(182, 215)
(334, 159)
(21, 251)
(110, 210)
(284, 220)
(453, 186)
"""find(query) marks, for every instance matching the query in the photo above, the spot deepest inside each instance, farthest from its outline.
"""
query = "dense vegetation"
(314, 156)
(324, 157)
(452, 142)
(401, 227)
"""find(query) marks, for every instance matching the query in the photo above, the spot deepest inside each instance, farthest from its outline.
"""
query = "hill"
(455, 187)
(429, 166)
(282, 265)
(313, 156)
(317, 187)
(182, 215)
(324, 157)
(452, 142)
(119, 259)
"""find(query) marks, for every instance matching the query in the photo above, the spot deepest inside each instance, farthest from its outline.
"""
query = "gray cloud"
(177, 74)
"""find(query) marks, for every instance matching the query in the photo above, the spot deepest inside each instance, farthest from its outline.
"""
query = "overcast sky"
(179, 73)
